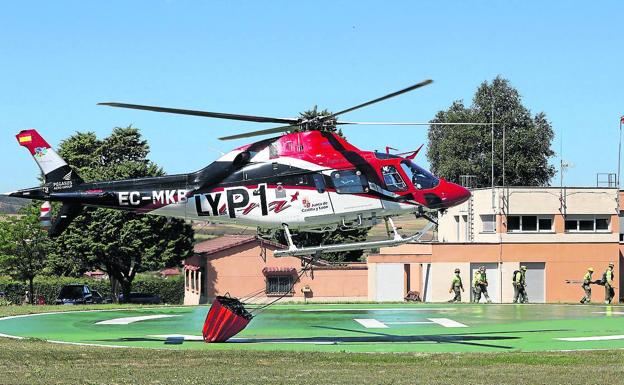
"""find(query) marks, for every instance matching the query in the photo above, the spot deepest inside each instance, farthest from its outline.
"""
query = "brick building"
(556, 233)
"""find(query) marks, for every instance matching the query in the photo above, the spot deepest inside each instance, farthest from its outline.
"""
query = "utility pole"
(492, 131)
(617, 194)
(619, 153)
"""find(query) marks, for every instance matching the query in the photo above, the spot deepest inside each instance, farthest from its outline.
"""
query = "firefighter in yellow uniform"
(456, 286)
(519, 284)
(476, 277)
(480, 285)
(587, 281)
(607, 278)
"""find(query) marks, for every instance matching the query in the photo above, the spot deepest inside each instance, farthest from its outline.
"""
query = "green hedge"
(170, 290)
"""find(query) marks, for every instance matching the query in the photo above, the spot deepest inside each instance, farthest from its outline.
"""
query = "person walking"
(519, 283)
(480, 285)
(607, 279)
(587, 281)
(476, 291)
(456, 286)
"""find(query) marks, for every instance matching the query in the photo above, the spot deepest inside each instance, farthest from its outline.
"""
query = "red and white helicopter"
(308, 179)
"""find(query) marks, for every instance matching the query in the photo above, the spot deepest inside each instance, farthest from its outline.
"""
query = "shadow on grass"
(482, 339)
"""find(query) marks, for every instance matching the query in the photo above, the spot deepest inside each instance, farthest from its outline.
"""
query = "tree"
(121, 243)
(466, 150)
(24, 246)
(338, 236)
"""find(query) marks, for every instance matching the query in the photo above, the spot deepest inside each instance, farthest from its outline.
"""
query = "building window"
(545, 224)
(489, 223)
(529, 223)
(587, 224)
(602, 224)
(279, 284)
(513, 223)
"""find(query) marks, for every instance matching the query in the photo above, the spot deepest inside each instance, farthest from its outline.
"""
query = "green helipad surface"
(361, 327)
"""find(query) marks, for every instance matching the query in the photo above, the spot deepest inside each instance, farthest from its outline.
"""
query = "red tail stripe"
(35, 141)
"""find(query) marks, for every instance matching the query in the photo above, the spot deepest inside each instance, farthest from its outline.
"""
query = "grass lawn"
(39, 362)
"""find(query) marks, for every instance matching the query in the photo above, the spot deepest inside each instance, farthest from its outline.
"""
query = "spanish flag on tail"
(51, 164)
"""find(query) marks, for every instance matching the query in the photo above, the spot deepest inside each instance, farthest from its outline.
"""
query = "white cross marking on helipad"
(382, 309)
(186, 337)
(129, 320)
(371, 323)
(447, 323)
(594, 338)
(609, 312)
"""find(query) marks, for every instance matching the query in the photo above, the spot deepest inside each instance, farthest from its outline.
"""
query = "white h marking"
(447, 323)
(129, 320)
(595, 338)
(370, 323)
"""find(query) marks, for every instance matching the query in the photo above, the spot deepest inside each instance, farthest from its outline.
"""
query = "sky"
(58, 59)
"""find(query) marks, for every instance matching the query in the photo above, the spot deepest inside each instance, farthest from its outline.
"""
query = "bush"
(170, 290)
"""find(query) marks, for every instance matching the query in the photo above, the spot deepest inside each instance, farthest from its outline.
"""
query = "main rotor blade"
(397, 93)
(415, 124)
(218, 115)
(259, 132)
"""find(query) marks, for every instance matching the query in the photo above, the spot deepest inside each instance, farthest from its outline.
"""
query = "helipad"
(363, 328)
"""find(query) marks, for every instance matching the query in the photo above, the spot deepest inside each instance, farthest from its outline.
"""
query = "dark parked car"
(76, 294)
(140, 298)
(97, 297)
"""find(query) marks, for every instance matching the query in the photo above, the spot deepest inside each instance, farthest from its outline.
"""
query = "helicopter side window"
(393, 179)
(349, 181)
(319, 182)
(295, 180)
(236, 177)
(421, 178)
(273, 150)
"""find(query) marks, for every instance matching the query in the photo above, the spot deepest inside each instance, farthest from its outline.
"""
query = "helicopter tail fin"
(53, 167)
(58, 176)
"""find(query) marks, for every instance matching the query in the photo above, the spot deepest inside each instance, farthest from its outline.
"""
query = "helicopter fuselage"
(309, 180)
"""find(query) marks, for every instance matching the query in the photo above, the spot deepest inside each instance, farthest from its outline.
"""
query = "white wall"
(440, 277)
(531, 201)
(389, 282)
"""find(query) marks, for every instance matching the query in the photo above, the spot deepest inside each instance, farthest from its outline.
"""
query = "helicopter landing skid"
(397, 239)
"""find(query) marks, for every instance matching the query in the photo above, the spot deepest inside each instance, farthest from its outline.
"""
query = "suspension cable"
(258, 310)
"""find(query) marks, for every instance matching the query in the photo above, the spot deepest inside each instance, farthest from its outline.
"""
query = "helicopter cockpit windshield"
(421, 178)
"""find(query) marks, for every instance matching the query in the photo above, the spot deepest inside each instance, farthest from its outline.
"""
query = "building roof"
(170, 271)
(282, 271)
(225, 242)
(544, 188)
(95, 273)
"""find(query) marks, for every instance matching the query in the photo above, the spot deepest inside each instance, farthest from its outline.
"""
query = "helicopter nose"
(446, 195)
(453, 194)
